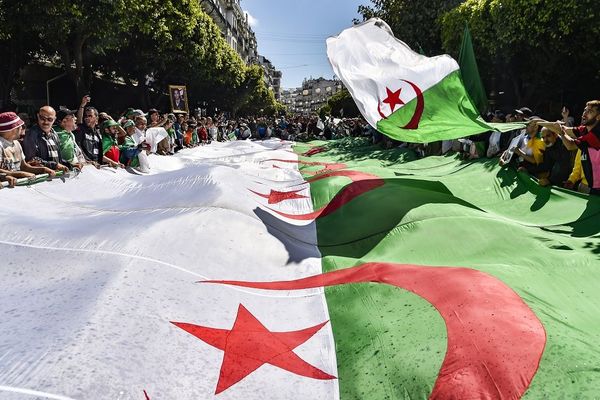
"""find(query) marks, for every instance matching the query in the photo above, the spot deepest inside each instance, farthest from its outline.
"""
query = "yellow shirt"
(535, 148)
(577, 173)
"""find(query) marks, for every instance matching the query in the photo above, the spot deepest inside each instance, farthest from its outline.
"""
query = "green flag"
(470, 72)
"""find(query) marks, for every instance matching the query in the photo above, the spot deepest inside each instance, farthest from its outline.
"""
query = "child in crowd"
(110, 146)
(202, 133)
(129, 149)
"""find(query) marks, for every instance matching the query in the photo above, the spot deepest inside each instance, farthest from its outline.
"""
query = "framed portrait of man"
(179, 100)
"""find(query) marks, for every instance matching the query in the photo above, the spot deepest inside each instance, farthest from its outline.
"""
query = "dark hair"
(93, 109)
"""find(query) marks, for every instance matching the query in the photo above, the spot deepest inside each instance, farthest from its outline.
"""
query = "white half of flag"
(97, 268)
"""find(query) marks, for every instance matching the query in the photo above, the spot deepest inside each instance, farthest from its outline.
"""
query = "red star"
(249, 345)
(393, 98)
(277, 197)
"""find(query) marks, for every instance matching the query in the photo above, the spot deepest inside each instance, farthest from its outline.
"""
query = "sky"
(292, 33)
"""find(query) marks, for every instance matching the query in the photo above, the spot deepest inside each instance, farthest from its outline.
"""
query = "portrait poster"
(179, 100)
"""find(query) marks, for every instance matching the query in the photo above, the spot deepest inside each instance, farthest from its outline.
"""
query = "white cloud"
(253, 22)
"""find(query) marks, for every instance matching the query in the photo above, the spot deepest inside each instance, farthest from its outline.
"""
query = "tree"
(547, 50)
(256, 96)
(415, 22)
(18, 45)
(176, 44)
(73, 30)
(342, 105)
(171, 41)
(324, 111)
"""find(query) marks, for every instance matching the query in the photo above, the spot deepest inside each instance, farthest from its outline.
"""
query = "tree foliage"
(324, 111)
(412, 21)
(258, 98)
(538, 52)
(147, 44)
(18, 44)
(177, 44)
(342, 104)
(543, 51)
(73, 30)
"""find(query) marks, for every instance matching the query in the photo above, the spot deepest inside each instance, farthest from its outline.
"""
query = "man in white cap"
(12, 158)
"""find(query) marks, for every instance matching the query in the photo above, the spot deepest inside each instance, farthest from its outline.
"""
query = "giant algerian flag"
(405, 95)
(246, 270)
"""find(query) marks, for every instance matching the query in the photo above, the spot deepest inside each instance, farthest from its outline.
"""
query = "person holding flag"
(585, 137)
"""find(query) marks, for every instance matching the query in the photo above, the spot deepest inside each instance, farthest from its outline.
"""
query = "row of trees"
(146, 43)
(538, 52)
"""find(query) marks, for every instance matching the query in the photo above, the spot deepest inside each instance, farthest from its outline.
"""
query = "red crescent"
(495, 341)
(326, 165)
(379, 111)
(315, 150)
(416, 118)
(361, 183)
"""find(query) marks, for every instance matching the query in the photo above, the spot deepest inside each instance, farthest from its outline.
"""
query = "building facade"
(313, 95)
(233, 22)
(272, 76)
(236, 30)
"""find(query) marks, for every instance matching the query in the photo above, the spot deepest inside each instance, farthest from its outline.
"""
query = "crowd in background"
(65, 140)
(560, 153)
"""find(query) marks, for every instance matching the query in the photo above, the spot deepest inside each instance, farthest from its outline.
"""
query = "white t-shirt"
(11, 155)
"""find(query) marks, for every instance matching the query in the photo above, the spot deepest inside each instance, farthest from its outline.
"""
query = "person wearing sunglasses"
(41, 144)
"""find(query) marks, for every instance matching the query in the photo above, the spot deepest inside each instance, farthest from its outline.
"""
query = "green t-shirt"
(67, 145)
(108, 142)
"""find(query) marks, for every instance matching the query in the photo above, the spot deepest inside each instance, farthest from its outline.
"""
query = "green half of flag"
(542, 243)
(444, 111)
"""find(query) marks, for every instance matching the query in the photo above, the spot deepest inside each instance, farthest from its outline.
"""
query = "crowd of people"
(556, 153)
(66, 140)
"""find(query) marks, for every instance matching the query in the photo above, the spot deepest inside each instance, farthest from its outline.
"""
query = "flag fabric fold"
(470, 72)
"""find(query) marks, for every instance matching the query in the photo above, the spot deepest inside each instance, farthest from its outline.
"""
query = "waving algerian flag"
(405, 95)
